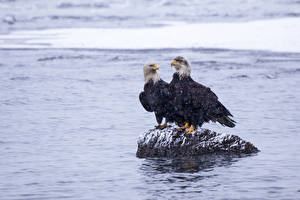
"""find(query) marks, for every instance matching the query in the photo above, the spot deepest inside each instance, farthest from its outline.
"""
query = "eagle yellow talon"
(183, 127)
(190, 130)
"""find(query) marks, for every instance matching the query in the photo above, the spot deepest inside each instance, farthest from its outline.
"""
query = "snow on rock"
(172, 143)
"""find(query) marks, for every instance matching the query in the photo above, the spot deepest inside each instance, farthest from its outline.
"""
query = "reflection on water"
(177, 177)
(188, 164)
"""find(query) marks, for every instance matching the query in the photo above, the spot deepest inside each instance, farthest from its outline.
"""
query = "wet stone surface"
(172, 143)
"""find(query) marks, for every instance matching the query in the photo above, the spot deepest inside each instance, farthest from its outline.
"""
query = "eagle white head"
(182, 66)
(150, 72)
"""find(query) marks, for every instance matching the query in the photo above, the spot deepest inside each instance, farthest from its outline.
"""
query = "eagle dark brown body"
(197, 103)
(156, 98)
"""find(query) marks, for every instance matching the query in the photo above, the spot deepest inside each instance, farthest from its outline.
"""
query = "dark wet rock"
(172, 143)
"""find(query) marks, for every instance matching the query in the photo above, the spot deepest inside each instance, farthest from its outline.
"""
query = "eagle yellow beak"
(156, 67)
(175, 63)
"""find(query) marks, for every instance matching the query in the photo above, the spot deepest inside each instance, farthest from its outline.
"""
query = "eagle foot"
(161, 127)
(183, 127)
(190, 130)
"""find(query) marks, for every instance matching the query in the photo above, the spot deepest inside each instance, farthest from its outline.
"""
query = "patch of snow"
(273, 34)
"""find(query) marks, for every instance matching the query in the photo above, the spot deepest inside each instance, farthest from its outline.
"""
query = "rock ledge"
(172, 143)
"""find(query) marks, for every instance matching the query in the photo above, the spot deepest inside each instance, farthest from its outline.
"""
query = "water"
(138, 13)
(70, 118)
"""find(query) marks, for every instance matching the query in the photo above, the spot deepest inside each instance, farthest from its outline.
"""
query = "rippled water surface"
(136, 13)
(70, 118)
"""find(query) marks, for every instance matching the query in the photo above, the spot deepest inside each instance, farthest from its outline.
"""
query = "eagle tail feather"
(226, 121)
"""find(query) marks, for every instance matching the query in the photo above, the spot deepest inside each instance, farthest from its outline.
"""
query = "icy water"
(70, 117)
(137, 13)
(70, 120)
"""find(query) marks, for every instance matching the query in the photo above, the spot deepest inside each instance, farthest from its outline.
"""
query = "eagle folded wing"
(144, 102)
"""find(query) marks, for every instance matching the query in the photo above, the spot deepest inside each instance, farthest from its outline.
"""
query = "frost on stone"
(172, 143)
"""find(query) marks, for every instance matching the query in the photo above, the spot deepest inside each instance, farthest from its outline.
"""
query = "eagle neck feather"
(153, 76)
(182, 74)
(184, 71)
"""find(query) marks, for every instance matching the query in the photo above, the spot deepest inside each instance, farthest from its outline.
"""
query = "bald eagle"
(156, 96)
(195, 102)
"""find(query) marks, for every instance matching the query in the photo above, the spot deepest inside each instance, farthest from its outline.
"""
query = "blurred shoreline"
(33, 15)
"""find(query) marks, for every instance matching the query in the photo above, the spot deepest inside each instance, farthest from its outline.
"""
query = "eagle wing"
(204, 98)
(144, 102)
